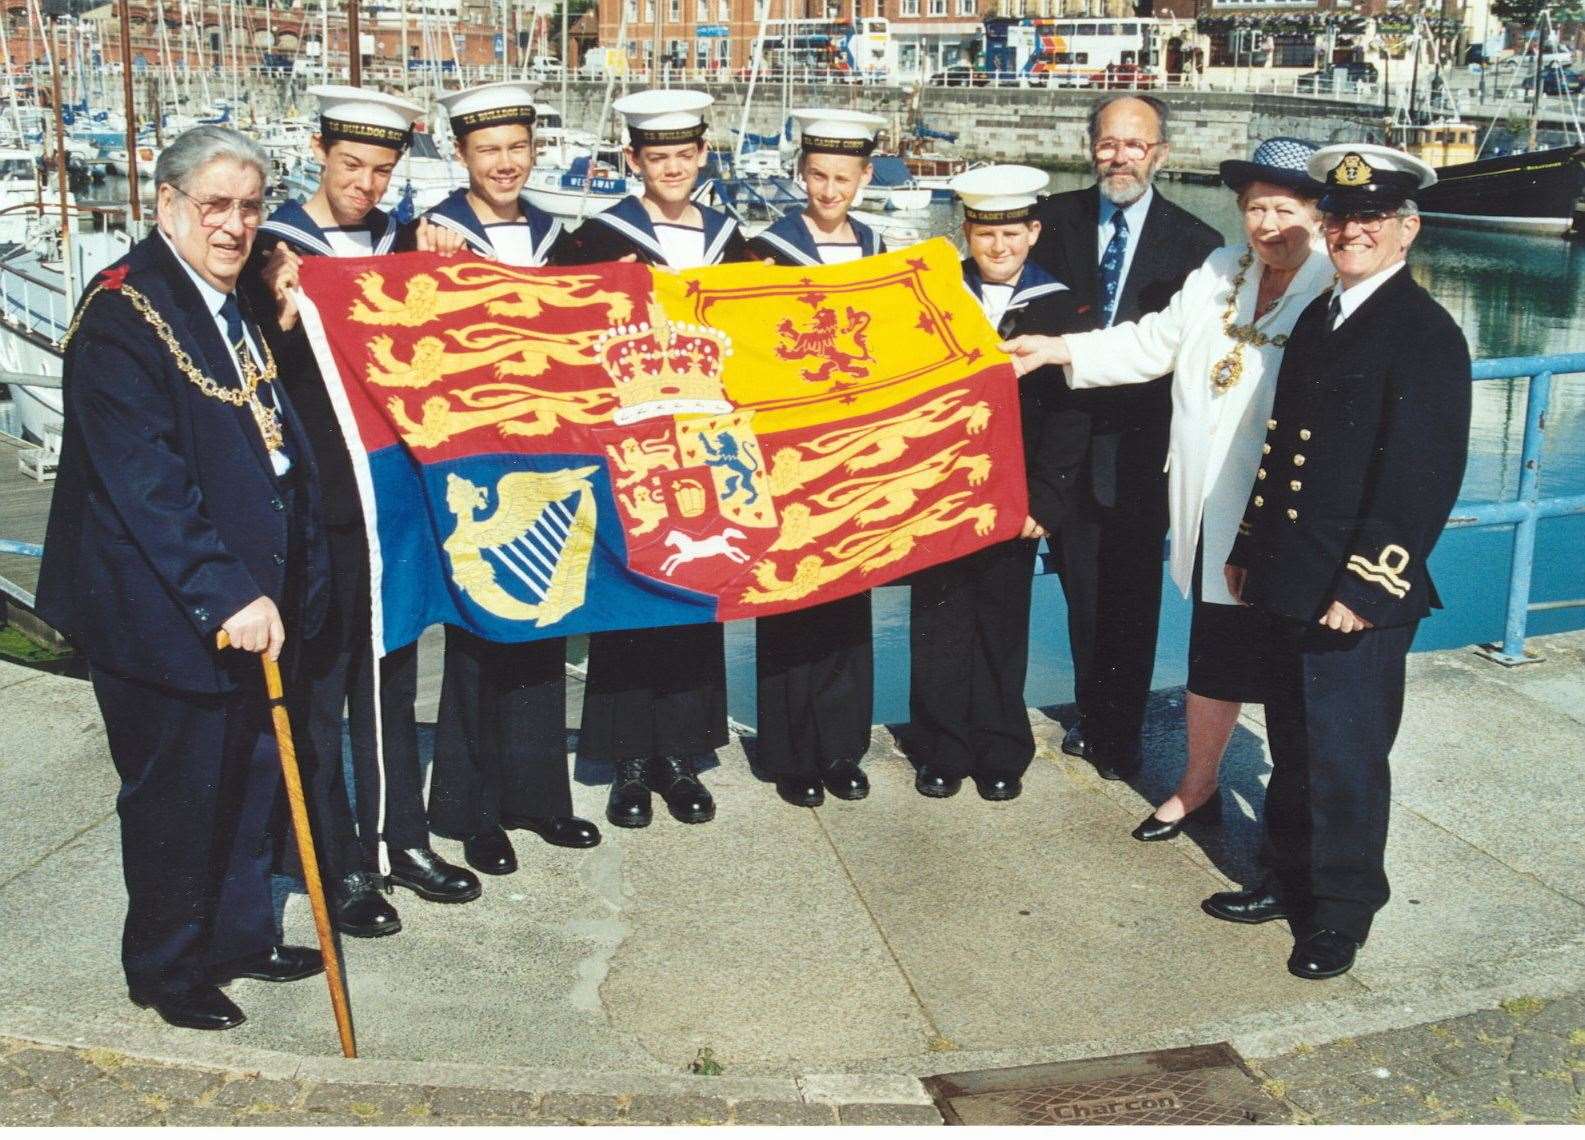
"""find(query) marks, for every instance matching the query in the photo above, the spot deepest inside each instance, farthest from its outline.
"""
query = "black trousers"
(969, 642)
(336, 675)
(654, 692)
(1333, 714)
(200, 777)
(1109, 562)
(816, 686)
(501, 735)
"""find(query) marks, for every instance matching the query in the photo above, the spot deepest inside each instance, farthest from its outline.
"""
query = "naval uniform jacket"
(789, 242)
(454, 213)
(1055, 430)
(625, 228)
(167, 516)
(1364, 455)
(291, 226)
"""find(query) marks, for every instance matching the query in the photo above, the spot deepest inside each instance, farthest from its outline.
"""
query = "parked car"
(1338, 78)
(1556, 80)
(958, 75)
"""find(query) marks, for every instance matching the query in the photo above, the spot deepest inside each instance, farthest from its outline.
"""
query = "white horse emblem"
(689, 549)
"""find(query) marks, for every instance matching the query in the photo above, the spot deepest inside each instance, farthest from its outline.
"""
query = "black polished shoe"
(672, 778)
(845, 780)
(999, 787)
(202, 1007)
(1115, 767)
(277, 964)
(490, 852)
(1073, 741)
(936, 785)
(1251, 907)
(430, 877)
(1154, 830)
(359, 910)
(1324, 954)
(557, 830)
(800, 791)
(628, 804)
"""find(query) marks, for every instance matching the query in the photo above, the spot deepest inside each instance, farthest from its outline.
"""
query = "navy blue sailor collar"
(629, 218)
(291, 223)
(454, 213)
(1033, 282)
(791, 235)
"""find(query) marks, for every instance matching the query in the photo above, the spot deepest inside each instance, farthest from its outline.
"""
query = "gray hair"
(1409, 209)
(195, 149)
(1163, 115)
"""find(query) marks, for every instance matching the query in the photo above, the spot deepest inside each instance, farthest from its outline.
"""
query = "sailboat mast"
(354, 46)
(129, 113)
(60, 166)
(1535, 91)
(565, 122)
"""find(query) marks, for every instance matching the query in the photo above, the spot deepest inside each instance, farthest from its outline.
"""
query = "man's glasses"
(215, 212)
(1367, 223)
(1129, 148)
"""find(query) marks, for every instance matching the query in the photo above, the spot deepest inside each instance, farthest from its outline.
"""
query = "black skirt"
(1230, 648)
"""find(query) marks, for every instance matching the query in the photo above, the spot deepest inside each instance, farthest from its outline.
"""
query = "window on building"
(759, 9)
(674, 10)
(938, 7)
(701, 11)
(967, 8)
(632, 10)
(723, 11)
(910, 7)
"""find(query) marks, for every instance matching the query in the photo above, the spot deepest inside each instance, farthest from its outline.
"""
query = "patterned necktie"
(1334, 312)
(1112, 267)
(231, 312)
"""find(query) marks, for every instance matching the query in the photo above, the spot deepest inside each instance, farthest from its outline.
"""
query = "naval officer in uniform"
(815, 667)
(361, 137)
(655, 700)
(185, 507)
(969, 618)
(501, 733)
(1362, 462)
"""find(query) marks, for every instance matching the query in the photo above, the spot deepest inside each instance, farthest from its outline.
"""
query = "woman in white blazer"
(1221, 337)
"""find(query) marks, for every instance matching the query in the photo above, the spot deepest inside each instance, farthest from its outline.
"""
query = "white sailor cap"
(356, 114)
(663, 117)
(1362, 177)
(490, 105)
(993, 195)
(827, 130)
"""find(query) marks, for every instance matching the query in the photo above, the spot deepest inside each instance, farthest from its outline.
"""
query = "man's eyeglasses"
(1130, 148)
(215, 212)
(1367, 223)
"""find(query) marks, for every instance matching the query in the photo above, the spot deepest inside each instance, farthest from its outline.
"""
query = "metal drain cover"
(1206, 1084)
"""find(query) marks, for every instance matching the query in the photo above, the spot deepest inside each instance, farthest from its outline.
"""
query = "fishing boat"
(1533, 192)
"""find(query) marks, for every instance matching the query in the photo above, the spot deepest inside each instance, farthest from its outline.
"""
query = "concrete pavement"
(830, 957)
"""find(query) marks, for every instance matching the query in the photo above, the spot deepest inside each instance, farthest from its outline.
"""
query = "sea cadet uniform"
(1362, 462)
(969, 618)
(815, 667)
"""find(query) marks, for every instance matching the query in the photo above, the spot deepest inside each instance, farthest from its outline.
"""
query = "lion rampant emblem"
(823, 340)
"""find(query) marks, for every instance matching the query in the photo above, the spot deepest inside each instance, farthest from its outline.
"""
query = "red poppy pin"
(113, 278)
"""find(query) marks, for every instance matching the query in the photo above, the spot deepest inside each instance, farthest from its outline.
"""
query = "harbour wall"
(1041, 127)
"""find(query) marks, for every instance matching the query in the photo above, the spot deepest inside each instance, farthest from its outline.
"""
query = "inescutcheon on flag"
(543, 452)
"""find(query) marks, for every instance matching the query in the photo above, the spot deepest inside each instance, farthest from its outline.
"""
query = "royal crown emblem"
(664, 368)
(1352, 171)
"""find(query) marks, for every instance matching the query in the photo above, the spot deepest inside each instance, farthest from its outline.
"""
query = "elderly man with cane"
(186, 508)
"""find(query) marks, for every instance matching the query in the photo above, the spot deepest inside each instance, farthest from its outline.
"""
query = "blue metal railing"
(1522, 512)
(1528, 508)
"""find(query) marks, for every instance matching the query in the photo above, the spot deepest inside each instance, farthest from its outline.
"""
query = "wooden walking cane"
(305, 847)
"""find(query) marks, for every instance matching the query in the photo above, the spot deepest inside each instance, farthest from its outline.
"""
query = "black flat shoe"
(936, 785)
(1251, 907)
(845, 780)
(1154, 830)
(1115, 767)
(490, 853)
(202, 1007)
(1073, 741)
(430, 877)
(999, 787)
(359, 910)
(628, 803)
(557, 830)
(672, 779)
(277, 964)
(800, 791)
(1324, 954)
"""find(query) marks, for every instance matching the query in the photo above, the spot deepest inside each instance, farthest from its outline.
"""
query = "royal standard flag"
(554, 451)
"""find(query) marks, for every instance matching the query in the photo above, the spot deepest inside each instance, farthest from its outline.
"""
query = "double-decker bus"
(834, 48)
(1073, 52)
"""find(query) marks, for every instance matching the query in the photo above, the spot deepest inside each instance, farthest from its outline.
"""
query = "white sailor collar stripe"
(712, 252)
(621, 225)
(770, 237)
(480, 242)
(298, 236)
(1023, 296)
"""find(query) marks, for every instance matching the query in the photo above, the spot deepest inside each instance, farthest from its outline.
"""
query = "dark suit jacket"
(1171, 243)
(167, 518)
(1366, 447)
